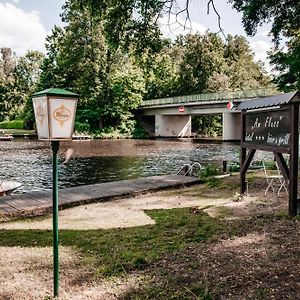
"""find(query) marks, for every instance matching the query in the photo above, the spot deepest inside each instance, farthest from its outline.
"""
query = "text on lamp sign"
(62, 114)
(269, 128)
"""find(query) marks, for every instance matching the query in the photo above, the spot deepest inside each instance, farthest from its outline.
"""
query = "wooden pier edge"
(128, 188)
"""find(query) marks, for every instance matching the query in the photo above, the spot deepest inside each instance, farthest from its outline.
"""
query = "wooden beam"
(266, 148)
(282, 166)
(294, 151)
(247, 161)
(243, 186)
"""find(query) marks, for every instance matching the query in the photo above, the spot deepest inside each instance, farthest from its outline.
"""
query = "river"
(94, 161)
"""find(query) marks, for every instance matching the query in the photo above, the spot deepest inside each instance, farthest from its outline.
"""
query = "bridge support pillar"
(173, 126)
(231, 126)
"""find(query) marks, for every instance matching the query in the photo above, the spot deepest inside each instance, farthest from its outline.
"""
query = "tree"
(203, 56)
(283, 14)
(84, 58)
(7, 66)
(127, 91)
(18, 79)
(210, 65)
(287, 65)
(243, 72)
(160, 71)
(76, 59)
(284, 17)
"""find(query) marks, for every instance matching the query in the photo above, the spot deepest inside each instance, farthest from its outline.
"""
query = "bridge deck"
(210, 97)
(40, 202)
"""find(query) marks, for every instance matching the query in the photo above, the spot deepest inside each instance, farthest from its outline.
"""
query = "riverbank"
(222, 247)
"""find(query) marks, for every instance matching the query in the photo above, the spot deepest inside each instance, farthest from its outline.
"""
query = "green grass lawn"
(113, 251)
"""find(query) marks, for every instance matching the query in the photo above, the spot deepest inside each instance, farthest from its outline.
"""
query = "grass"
(18, 131)
(212, 188)
(170, 290)
(114, 251)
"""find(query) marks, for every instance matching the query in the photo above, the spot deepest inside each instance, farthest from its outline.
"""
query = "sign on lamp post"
(55, 111)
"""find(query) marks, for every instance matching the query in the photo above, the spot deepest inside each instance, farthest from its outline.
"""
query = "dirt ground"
(116, 214)
(261, 262)
(25, 273)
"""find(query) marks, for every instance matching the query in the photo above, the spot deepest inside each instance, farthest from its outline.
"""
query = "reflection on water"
(29, 161)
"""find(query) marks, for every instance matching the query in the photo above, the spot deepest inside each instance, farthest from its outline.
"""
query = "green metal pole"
(55, 147)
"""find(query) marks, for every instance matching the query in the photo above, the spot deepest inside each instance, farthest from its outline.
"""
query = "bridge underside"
(169, 122)
(173, 126)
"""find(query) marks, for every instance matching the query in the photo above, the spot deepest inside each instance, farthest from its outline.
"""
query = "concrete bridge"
(172, 116)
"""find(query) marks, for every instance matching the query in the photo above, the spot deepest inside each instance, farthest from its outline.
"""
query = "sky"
(24, 24)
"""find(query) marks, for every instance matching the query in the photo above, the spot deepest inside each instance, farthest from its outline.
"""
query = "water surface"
(29, 161)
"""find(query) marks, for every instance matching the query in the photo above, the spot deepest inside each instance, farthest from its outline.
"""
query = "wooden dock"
(37, 203)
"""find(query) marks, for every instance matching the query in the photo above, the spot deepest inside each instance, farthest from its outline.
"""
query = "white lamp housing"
(54, 111)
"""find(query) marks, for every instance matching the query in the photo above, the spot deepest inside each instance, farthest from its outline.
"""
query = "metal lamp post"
(54, 111)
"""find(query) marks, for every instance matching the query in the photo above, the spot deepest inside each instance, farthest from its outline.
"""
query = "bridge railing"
(211, 97)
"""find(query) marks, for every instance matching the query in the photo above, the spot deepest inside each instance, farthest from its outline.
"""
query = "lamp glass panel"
(62, 115)
(41, 117)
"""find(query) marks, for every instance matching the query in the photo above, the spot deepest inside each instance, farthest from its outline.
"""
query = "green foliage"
(15, 124)
(82, 127)
(242, 71)
(160, 72)
(282, 14)
(209, 171)
(18, 79)
(213, 182)
(139, 132)
(207, 125)
(284, 17)
(203, 55)
(270, 165)
(234, 167)
(112, 54)
(126, 91)
(107, 133)
(287, 64)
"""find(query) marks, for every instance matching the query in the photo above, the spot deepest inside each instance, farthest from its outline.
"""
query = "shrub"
(139, 133)
(234, 167)
(209, 171)
(15, 124)
(82, 127)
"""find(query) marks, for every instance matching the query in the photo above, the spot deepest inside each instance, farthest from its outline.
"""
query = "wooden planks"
(21, 205)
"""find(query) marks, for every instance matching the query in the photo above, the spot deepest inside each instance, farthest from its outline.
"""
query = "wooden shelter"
(272, 124)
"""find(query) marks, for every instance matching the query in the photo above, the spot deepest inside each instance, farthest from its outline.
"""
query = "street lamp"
(54, 111)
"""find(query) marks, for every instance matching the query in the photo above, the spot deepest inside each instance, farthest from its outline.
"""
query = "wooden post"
(282, 166)
(294, 150)
(242, 154)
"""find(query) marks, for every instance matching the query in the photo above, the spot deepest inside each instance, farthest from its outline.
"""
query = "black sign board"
(268, 128)
(275, 130)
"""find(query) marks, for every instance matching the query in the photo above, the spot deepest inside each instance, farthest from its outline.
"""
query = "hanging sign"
(230, 105)
(268, 128)
(181, 109)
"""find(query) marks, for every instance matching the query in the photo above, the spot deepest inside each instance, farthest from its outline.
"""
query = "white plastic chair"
(274, 179)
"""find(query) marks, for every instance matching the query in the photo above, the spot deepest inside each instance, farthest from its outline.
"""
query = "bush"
(234, 167)
(15, 124)
(82, 127)
(209, 171)
(139, 133)
(108, 133)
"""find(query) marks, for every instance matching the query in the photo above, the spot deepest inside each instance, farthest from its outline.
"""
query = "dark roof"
(55, 92)
(269, 101)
